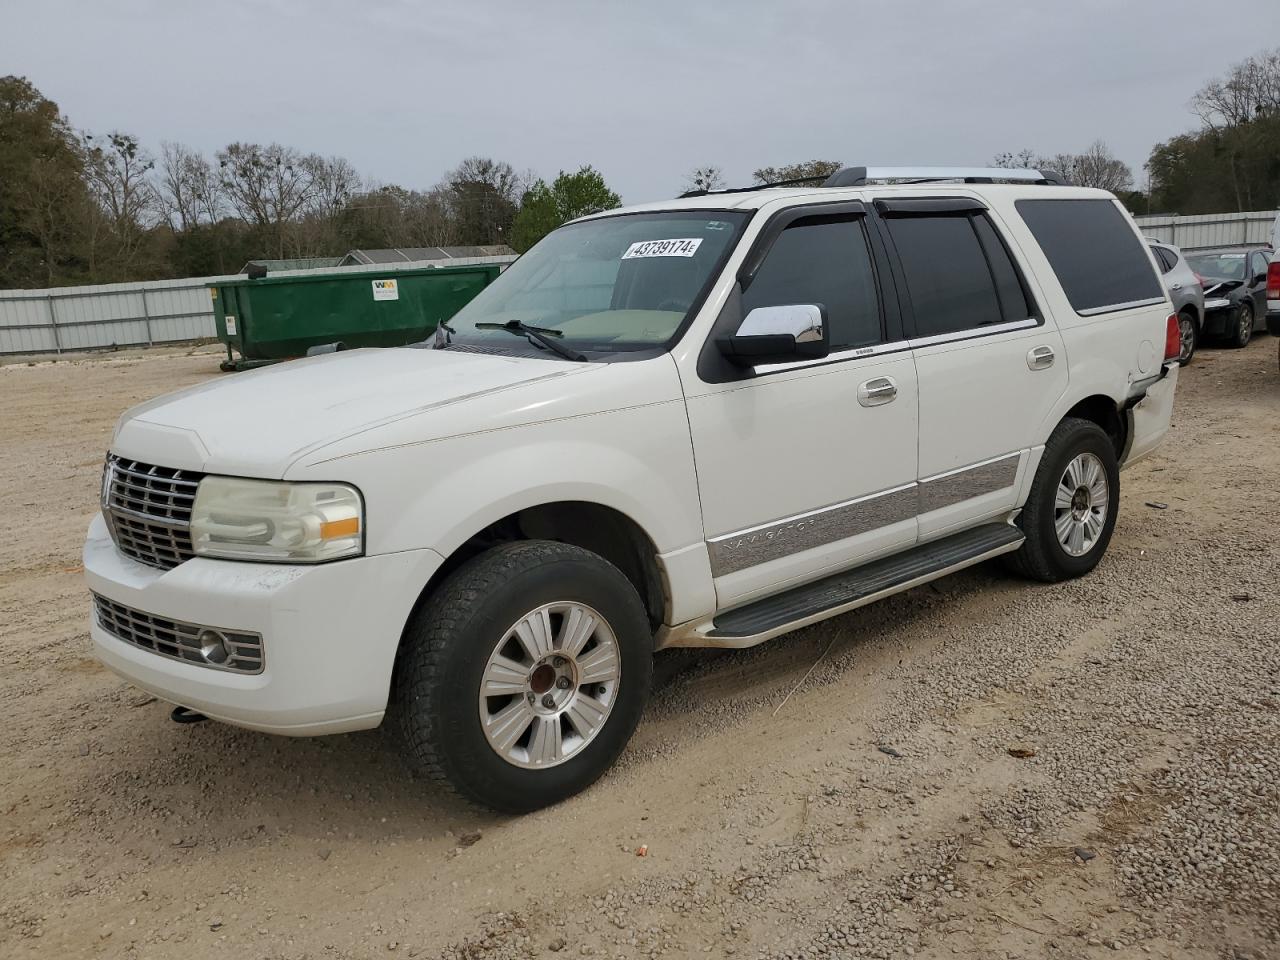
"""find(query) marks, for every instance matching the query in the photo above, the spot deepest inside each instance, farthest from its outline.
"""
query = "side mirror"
(779, 335)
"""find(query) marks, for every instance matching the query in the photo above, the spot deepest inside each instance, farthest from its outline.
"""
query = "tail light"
(1172, 338)
(1199, 279)
(1273, 280)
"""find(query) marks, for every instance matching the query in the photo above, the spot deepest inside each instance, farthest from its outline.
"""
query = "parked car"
(1273, 285)
(1183, 287)
(1235, 291)
(695, 423)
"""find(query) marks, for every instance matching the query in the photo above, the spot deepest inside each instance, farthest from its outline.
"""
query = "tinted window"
(1099, 261)
(1013, 299)
(825, 262)
(1164, 258)
(949, 282)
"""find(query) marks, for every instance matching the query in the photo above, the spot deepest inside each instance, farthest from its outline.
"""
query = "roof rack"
(860, 176)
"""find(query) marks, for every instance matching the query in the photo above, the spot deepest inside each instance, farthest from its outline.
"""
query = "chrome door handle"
(1176, 286)
(1040, 358)
(877, 391)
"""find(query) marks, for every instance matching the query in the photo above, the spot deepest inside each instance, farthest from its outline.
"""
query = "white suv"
(703, 422)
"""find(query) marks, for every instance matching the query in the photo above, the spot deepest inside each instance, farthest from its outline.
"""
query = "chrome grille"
(149, 510)
(232, 650)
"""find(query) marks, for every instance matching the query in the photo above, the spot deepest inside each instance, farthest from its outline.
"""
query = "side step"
(763, 619)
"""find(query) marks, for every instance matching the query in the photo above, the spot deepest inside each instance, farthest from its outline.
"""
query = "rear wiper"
(542, 335)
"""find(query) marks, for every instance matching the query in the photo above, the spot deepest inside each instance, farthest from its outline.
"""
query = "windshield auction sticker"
(663, 248)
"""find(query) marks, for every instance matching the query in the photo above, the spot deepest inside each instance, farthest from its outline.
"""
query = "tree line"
(78, 207)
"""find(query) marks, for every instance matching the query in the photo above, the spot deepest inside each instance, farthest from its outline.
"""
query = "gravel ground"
(979, 768)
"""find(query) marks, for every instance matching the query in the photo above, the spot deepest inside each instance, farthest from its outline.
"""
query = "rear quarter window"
(1099, 260)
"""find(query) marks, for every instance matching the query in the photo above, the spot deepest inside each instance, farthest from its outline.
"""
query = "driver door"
(808, 467)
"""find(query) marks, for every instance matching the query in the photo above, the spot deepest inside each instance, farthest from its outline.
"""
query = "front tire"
(523, 676)
(1071, 510)
(1243, 331)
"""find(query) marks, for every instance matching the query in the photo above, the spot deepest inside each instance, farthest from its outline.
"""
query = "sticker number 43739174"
(663, 248)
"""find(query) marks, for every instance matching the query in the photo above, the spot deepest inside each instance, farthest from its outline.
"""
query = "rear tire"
(1243, 331)
(1071, 510)
(523, 676)
(1189, 337)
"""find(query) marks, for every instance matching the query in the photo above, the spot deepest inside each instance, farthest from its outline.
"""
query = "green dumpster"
(276, 318)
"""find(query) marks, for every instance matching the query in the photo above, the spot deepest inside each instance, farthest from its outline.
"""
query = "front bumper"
(1219, 318)
(330, 633)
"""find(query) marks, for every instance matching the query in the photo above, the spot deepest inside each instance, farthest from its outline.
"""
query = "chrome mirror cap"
(800, 320)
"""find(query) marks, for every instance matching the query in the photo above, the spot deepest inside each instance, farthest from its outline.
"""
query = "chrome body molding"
(947, 489)
(781, 538)
(1128, 305)
(732, 552)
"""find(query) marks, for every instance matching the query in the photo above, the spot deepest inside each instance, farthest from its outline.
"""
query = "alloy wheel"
(1187, 335)
(549, 685)
(1081, 503)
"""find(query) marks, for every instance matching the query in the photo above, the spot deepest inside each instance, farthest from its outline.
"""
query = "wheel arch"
(1106, 413)
(600, 528)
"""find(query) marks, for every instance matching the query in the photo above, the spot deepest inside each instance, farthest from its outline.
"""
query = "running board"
(767, 618)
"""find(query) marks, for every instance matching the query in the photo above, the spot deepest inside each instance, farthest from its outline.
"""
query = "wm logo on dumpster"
(385, 290)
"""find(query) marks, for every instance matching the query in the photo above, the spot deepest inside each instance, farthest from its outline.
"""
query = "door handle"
(876, 391)
(1176, 286)
(1040, 358)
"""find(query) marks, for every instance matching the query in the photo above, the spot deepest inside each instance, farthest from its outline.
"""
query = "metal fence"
(109, 315)
(1211, 229)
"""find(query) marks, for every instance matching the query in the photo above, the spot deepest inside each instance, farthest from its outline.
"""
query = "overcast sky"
(643, 90)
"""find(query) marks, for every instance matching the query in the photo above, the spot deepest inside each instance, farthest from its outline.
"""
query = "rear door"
(990, 368)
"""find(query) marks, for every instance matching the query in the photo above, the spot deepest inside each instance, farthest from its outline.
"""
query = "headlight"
(270, 520)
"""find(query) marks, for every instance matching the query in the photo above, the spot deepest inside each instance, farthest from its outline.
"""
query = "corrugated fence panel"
(132, 314)
(1211, 230)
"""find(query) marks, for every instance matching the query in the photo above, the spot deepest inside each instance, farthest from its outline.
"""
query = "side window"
(827, 262)
(1092, 248)
(1013, 296)
(950, 284)
(1164, 258)
(1259, 264)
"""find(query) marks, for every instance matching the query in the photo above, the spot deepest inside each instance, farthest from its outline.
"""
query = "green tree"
(571, 195)
(43, 199)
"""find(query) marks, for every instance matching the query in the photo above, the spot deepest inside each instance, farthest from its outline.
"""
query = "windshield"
(617, 283)
(1221, 266)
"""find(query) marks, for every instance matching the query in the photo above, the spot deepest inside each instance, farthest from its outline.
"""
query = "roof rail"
(860, 176)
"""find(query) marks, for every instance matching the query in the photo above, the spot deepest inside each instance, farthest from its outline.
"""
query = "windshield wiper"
(542, 335)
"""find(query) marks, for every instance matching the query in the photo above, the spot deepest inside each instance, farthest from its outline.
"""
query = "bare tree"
(190, 192)
(267, 186)
(117, 171)
(1022, 160)
(1250, 89)
(484, 195)
(704, 180)
(1097, 167)
(809, 170)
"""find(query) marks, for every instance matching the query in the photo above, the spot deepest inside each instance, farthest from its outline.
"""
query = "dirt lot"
(1146, 820)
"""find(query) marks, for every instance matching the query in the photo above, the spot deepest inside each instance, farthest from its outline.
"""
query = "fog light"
(214, 647)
